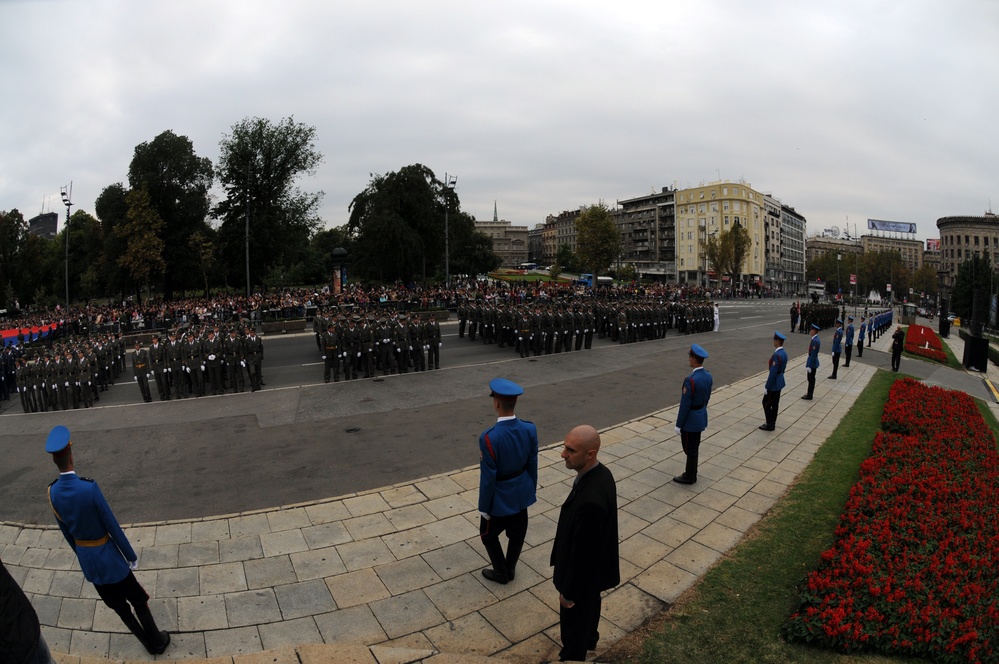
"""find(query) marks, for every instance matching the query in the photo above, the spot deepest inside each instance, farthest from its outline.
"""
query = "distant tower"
(495, 216)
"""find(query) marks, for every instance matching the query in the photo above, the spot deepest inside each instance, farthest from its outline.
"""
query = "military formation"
(199, 361)
(69, 375)
(362, 346)
(557, 326)
(803, 316)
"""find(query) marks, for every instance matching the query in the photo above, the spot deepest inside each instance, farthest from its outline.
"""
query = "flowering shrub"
(921, 340)
(914, 569)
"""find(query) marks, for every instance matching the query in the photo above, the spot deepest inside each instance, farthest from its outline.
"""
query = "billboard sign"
(853, 280)
(933, 244)
(891, 226)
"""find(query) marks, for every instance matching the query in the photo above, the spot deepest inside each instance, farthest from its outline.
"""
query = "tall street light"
(67, 199)
(449, 184)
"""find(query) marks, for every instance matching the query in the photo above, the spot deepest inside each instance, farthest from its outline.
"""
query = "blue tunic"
(694, 397)
(508, 467)
(813, 353)
(777, 364)
(837, 343)
(849, 334)
(86, 519)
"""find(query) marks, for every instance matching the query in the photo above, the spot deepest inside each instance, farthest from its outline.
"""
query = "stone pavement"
(395, 573)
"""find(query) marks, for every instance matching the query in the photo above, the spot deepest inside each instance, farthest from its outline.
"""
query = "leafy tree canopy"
(598, 240)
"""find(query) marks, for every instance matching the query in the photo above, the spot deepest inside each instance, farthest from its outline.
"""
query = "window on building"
(725, 205)
(724, 191)
(726, 220)
(976, 240)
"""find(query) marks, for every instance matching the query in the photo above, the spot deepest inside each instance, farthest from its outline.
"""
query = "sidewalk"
(396, 572)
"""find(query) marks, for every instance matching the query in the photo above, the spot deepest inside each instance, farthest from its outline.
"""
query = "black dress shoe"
(807, 398)
(159, 647)
(830, 377)
(492, 575)
(766, 427)
(683, 479)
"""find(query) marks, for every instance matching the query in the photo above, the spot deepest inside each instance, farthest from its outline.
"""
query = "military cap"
(839, 320)
(849, 317)
(697, 351)
(138, 343)
(58, 440)
(504, 389)
(815, 327)
(778, 335)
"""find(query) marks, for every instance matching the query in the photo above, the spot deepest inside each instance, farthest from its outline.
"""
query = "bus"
(587, 280)
(528, 266)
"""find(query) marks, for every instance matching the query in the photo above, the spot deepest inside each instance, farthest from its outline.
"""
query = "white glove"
(358, 354)
(808, 370)
(211, 357)
(202, 367)
(148, 375)
(136, 379)
(43, 386)
(484, 516)
(78, 383)
(169, 370)
(410, 348)
(188, 369)
(439, 344)
(324, 357)
(134, 565)
(677, 429)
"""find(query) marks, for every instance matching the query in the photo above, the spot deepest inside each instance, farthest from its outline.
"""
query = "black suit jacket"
(585, 552)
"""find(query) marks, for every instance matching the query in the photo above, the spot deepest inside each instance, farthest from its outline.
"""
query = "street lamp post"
(246, 215)
(449, 184)
(67, 199)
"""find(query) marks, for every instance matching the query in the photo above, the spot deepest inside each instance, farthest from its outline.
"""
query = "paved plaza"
(393, 575)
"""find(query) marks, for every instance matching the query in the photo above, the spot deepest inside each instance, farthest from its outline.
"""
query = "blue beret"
(504, 389)
(698, 352)
(815, 327)
(58, 440)
(778, 335)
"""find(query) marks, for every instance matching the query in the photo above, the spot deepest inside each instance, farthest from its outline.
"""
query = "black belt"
(504, 478)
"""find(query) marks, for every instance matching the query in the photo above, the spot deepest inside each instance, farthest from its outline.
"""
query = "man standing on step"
(692, 418)
(812, 363)
(508, 481)
(585, 550)
(105, 554)
(775, 382)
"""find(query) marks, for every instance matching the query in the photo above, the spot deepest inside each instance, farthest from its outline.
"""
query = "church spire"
(495, 216)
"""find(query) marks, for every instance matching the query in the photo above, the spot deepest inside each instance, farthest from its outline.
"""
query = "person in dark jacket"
(21, 640)
(897, 344)
(585, 551)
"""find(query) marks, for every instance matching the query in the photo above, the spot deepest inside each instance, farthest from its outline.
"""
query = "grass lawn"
(734, 613)
(502, 276)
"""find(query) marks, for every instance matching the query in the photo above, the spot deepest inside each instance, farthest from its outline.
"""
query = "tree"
(718, 252)
(567, 260)
(924, 280)
(13, 232)
(86, 253)
(742, 242)
(203, 247)
(111, 207)
(177, 182)
(397, 227)
(259, 166)
(598, 241)
(143, 257)
(974, 274)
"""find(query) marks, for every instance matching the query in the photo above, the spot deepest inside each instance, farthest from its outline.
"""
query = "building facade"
(648, 234)
(44, 225)
(910, 250)
(711, 208)
(793, 227)
(962, 238)
(509, 241)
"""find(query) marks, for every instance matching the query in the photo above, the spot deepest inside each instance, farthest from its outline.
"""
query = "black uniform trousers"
(691, 443)
(578, 627)
(771, 401)
(849, 352)
(515, 526)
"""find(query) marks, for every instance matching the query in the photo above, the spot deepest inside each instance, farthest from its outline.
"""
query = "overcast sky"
(844, 110)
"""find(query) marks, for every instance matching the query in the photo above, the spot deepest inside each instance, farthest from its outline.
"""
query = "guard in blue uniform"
(508, 481)
(775, 382)
(849, 340)
(105, 555)
(692, 418)
(837, 347)
(812, 362)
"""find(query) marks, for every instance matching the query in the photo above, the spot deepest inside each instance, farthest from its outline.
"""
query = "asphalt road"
(300, 439)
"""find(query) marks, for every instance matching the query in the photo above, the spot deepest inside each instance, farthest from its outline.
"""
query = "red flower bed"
(921, 340)
(914, 569)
